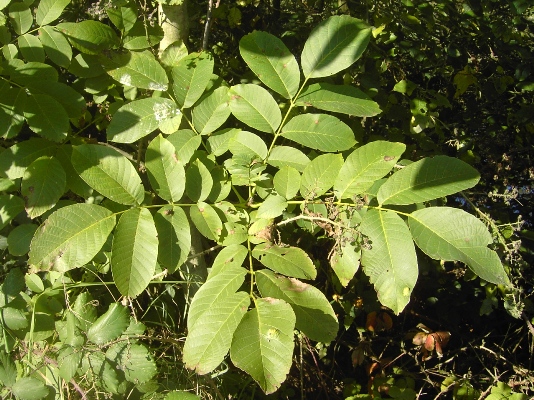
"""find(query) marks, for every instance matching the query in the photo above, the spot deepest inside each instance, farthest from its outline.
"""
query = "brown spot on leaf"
(389, 158)
(298, 286)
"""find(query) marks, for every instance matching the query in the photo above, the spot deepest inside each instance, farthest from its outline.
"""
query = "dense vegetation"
(280, 199)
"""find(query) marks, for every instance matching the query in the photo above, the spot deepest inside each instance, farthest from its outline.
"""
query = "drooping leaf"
(46, 117)
(56, 46)
(198, 182)
(29, 388)
(206, 220)
(42, 185)
(319, 131)
(174, 236)
(271, 61)
(428, 179)
(31, 48)
(315, 316)
(190, 77)
(15, 159)
(364, 166)
(209, 339)
(109, 325)
(254, 106)
(139, 118)
(263, 343)
(165, 171)
(334, 45)
(185, 143)
(71, 237)
(289, 261)
(21, 17)
(390, 262)
(248, 145)
(346, 263)
(344, 99)
(10, 207)
(288, 156)
(287, 182)
(212, 111)
(134, 252)
(320, 174)
(451, 234)
(108, 172)
(90, 37)
(49, 10)
(137, 69)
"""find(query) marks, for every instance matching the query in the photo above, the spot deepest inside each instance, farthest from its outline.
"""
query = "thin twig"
(207, 27)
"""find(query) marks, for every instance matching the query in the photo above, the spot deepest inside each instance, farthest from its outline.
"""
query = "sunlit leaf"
(254, 106)
(289, 261)
(49, 10)
(320, 175)
(211, 111)
(190, 77)
(109, 325)
(90, 37)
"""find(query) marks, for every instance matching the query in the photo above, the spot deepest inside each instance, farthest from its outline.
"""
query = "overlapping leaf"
(90, 37)
(190, 77)
(206, 220)
(174, 236)
(289, 261)
(56, 47)
(47, 117)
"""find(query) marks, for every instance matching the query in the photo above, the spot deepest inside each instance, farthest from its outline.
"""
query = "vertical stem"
(207, 26)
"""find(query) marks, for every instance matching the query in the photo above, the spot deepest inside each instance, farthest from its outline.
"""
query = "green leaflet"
(346, 263)
(271, 61)
(72, 101)
(109, 325)
(428, 179)
(90, 37)
(287, 182)
(206, 220)
(137, 69)
(108, 172)
(71, 237)
(344, 99)
(272, 207)
(56, 47)
(248, 145)
(319, 131)
(174, 236)
(185, 142)
(42, 185)
(123, 16)
(19, 239)
(21, 17)
(12, 101)
(288, 156)
(212, 111)
(209, 339)
(320, 174)
(31, 48)
(46, 117)
(366, 165)
(49, 10)
(229, 256)
(10, 207)
(314, 314)
(254, 106)
(165, 172)
(289, 261)
(143, 36)
(15, 159)
(391, 262)
(134, 251)
(29, 388)
(263, 343)
(199, 182)
(334, 45)
(451, 234)
(190, 77)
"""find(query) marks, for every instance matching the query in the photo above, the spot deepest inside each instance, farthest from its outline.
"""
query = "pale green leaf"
(212, 111)
(272, 207)
(71, 237)
(314, 314)
(319, 131)
(47, 117)
(56, 46)
(49, 10)
(190, 77)
(137, 69)
(21, 17)
(108, 172)
(10, 207)
(289, 261)
(209, 339)
(199, 181)
(428, 179)
(15, 159)
(248, 145)
(451, 234)
(206, 220)
(271, 61)
(320, 174)
(137, 363)
(254, 106)
(334, 45)
(366, 165)
(222, 184)
(288, 156)
(165, 171)
(181, 395)
(31, 48)
(230, 256)
(90, 37)
(174, 236)
(173, 54)
(346, 263)
(14, 318)
(19, 239)
(344, 99)
(185, 142)
(110, 325)
(134, 251)
(390, 262)
(4, 4)
(287, 182)
(69, 359)
(84, 309)
(42, 185)
(29, 388)
(220, 284)
(263, 343)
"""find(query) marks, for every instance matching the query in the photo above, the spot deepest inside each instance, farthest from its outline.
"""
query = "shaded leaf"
(29, 388)
(56, 46)
(10, 207)
(19, 239)
(174, 236)
(21, 17)
(15, 159)
(31, 48)
(190, 77)
(199, 181)
(90, 37)
(46, 117)
(287, 182)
